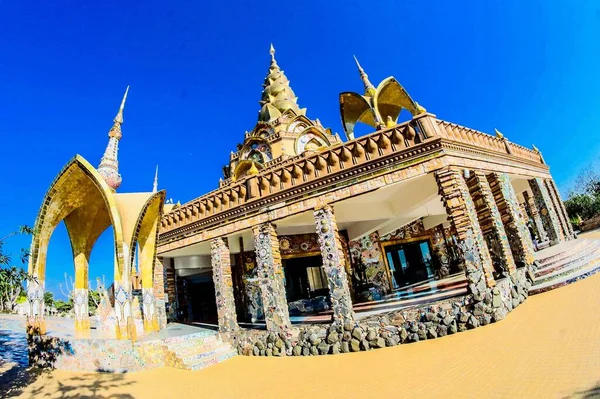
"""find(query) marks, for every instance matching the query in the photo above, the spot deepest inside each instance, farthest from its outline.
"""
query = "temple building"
(313, 244)
(305, 226)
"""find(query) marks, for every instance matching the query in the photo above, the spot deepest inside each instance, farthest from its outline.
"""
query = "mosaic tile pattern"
(221, 264)
(535, 216)
(149, 310)
(506, 255)
(463, 216)
(334, 265)
(123, 310)
(270, 274)
(524, 251)
(80, 307)
(35, 300)
(558, 207)
(561, 203)
(546, 210)
(366, 254)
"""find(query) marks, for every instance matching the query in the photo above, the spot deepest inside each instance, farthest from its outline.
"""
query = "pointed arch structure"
(81, 198)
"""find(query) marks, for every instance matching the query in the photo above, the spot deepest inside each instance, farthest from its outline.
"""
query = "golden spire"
(277, 96)
(369, 88)
(272, 52)
(109, 164)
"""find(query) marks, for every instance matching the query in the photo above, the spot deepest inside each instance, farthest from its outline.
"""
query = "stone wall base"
(400, 327)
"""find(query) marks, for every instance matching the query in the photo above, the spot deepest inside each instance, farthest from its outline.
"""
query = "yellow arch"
(76, 183)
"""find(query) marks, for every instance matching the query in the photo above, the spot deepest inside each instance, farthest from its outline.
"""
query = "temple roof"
(277, 96)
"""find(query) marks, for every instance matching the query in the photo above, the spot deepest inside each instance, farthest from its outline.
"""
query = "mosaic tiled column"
(561, 211)
(35, 307)
(546, 210)
(489, 203)
(81, 295)
(535, 216)
(125, 328)
(463, 217)
(221, 265)
(158, 287)
(522, 245)
(334, 264)
(270, 273)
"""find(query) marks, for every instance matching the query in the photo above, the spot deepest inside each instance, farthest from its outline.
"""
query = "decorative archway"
(145, 235)
(80, 197)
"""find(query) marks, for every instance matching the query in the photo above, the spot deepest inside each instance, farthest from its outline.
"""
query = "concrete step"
(568, 268)
(217, 358)
(205, 355)
(559, 263)
(192, 342)
(199, 348)
(589, 269)
(562, 250)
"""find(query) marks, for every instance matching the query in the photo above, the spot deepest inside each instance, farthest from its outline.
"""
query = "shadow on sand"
(592, 393)
(15, 381)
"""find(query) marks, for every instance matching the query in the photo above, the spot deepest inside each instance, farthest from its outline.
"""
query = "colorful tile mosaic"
(523, 246)
(463, 216)
(506, 256)
(558, 207)
(334, 265)
(270, 274)
(546, 210)
(221, 265)
(368, 263)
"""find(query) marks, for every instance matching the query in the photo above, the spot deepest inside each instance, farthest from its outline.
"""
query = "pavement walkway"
(549, 347)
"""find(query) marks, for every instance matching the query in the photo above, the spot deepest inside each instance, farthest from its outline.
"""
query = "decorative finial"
(119, 117)
(535, 148)
(369, 88)
(272, 52)
(109, 164)
(498, 134)
(155, 186)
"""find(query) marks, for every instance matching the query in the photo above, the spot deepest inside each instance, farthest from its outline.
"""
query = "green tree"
(93, 300)
(63, 306)
(12, 277)
(48, 299)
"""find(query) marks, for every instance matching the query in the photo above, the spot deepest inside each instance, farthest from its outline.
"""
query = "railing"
(288, 175)
(294, 172)
(452, 131)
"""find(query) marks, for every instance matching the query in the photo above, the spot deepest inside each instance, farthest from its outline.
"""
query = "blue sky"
(529, 69)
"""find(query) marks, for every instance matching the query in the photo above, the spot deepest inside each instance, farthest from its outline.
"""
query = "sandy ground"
(549, 347)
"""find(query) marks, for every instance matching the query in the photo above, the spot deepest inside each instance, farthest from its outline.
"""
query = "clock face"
(309, 141)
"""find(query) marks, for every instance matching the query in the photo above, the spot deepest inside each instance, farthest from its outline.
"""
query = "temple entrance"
(202, 299)
(305, 284)
(409, 263)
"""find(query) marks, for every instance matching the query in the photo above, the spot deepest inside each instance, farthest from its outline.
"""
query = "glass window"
(316, 278)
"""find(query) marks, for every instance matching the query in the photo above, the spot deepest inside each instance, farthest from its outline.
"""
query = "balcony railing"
(289, 175)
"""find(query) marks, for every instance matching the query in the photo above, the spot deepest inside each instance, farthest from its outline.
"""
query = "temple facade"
(307, 227)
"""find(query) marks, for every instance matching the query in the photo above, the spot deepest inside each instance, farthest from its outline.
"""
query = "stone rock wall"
(404, 326)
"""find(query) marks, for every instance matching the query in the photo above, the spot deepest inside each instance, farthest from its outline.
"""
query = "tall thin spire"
(277, 96)
(369, 88)
(109, 164)
(155, 186)
(272, 52)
